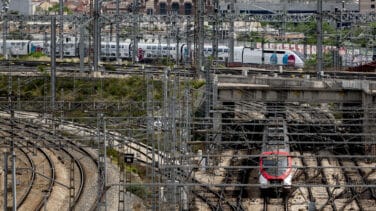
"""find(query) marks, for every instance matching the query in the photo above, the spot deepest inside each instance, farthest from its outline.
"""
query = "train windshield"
(301, 56)
(275, 165)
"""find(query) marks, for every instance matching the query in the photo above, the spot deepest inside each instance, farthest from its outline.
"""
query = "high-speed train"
(152, 51)
(275, 161)
(246, 55)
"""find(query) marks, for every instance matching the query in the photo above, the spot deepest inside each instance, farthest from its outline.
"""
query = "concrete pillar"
(201, 160)
(184, 199)
(217, 114)
(369, 123)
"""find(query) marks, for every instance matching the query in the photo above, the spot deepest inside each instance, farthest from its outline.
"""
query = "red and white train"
(275, 161)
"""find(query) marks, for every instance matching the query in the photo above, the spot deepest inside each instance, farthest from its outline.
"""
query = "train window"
(165, 48)
(148, 47)
(173, 48)
(102, 46)
(159, 47)
(220, 50)
(210, 50)
(271, 51)
(225, 50)
(113, 46)
(154, 47)
(275, 165)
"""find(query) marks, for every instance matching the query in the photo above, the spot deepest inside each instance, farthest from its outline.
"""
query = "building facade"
(367, 6)
(23, 7)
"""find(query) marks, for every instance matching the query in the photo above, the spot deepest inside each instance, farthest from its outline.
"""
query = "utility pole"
(53, 61)
(82, 48)
(135, 31)
(61, 28)
(117, 32)
(12, 152)
(96, 35)
(102, 168)
(177, 46)
(231, 32)
(5, 27)
(319, 40)
(215, 30)
(5, 181)
(199, 35)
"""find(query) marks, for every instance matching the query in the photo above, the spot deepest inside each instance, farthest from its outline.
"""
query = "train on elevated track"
(147, 52)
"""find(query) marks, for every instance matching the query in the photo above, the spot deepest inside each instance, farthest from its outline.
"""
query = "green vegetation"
(309, 30)
(55, 9)
(138, 190)
(111, 152)
(38, 54)
(250, 37)
(196, 84)
(42, 69)
(357, 35)
(165, 61)
(131, 90)
(312, 61)
(109, 67)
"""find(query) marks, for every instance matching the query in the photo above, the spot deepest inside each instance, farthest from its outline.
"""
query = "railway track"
(46, 136)
(280, 203)
(70, 67)
(79, 155)
(40, 158)
(32, 178)
(214, 199)
(353, 175)
(143, 150)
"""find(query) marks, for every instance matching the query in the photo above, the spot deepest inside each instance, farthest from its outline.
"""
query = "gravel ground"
(59, 199)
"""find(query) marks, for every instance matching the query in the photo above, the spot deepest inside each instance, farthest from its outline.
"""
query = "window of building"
(149, 11)
(372, 6)
(187, 8)
(175, 8)
(162, 8)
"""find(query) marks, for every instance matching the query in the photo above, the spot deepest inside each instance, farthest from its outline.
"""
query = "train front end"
(275, 170)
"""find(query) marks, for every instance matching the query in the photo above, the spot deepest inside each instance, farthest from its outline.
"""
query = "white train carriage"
(108, 50)
(16, 47)
(153, 51)
(246, 55)
(223, 52)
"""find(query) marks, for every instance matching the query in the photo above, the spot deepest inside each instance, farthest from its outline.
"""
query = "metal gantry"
(169, 126)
